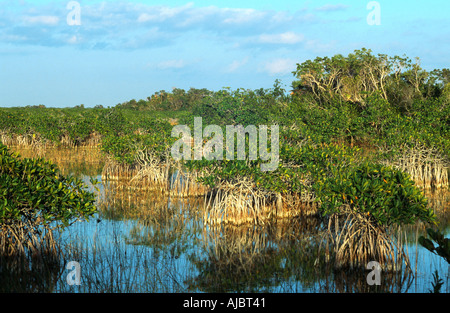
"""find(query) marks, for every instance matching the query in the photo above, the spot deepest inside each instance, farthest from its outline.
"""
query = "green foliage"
(340, 122)
(388, 195)
(360, 100)
(353, 78)
(33, 192)
(124, 149)
(445, 96)
(121, 148)
(342, 177)
(111, 122)
(178, 99)
(245, 107)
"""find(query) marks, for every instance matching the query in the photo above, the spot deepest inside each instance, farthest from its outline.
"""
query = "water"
(143, 242)
(168, 249)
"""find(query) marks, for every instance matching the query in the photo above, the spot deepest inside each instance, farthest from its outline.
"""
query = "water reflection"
(143, 241)
(255, 258)
(284, 256)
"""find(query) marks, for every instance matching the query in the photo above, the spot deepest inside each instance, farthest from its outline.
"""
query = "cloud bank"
(126, 25)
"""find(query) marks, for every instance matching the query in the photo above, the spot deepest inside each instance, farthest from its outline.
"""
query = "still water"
(145, 242)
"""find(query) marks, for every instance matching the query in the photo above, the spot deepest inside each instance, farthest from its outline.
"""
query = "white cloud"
(128, 25)
(281, 17)
(145, 17)
(318, 47)
(280, 66)
(210, 17)
(41, 19)
(284, 38)
(73, 40)
(236, 64)
(240, 16)
(163, 13)
(332, 7)
(171, 64)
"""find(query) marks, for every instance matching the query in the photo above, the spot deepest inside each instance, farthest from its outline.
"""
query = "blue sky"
(130, 49)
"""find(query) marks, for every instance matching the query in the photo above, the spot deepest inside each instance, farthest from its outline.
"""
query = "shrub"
(35, 200)
(388, 195)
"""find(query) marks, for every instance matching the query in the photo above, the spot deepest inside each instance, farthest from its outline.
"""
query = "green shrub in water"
(35, 199)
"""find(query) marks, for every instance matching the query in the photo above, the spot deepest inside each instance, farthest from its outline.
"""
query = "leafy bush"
(388, 195)
(155, 136)
(35, 198)
(245, 107)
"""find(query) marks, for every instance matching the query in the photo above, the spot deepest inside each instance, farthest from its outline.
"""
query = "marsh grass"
(118, 200)
(233, 203)
(153, 173)
(233, 207)
(166, 175)
(184, 183)
(115, 171)
(292, 205)
(153, 170)
(39, 144)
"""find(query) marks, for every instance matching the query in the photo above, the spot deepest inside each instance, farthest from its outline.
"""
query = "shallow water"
(142, 242)
(169, 258)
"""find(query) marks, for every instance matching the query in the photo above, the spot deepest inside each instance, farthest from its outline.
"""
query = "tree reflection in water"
(282, 256)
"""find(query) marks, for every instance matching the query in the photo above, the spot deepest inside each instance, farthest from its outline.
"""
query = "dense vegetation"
(36, 200)
(366, 132)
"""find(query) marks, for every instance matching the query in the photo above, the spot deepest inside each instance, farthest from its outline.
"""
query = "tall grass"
(76, 161)
(151, 172)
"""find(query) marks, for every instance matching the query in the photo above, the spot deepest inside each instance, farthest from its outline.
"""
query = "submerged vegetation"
(362, 138)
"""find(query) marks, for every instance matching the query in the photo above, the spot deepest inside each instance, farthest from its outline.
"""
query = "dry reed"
(185, 183)
(428, 168)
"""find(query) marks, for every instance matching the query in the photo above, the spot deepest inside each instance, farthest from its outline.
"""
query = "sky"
(67, 53)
